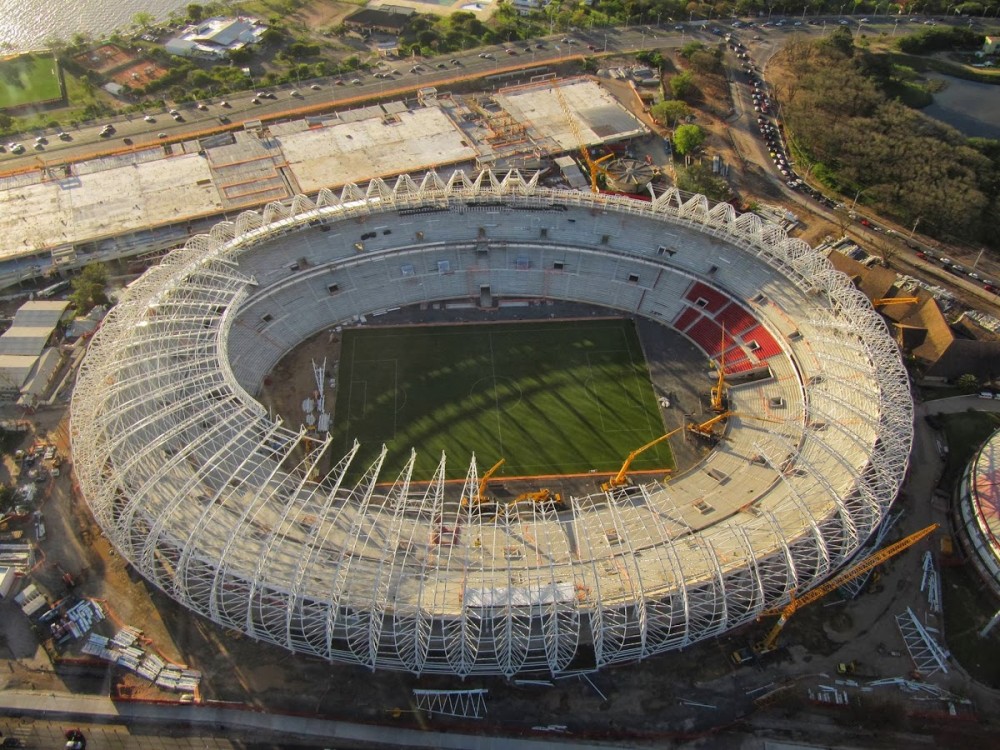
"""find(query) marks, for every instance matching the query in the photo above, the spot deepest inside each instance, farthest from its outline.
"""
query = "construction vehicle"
(593, 165)
(718, 393)
(768, 643)
(621, 477)
(481, 487)
(883, 301)
(541, 497)
(704, 429)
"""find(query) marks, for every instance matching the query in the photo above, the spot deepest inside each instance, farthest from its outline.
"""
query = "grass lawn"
(551, 398)
(967, 608)
(27, 79)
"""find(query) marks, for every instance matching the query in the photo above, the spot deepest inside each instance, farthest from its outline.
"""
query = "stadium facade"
(977, 512)
(220, 506)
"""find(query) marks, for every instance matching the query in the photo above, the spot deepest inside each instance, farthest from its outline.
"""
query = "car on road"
(107, 130)
(255, 100)
(455, 61)
(149, 118)
(178, 117)
(161, 135)
(225, 104)
(64, 136)
(679, 27)
(510, 51)
(315, 87)
(441, 66)
(294, 94)
(356, 82)
(202, 106)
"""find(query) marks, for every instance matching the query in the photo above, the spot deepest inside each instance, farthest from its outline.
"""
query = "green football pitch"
(27, 79)
(550, 398)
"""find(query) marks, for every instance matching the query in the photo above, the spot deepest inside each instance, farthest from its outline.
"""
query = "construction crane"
(704, 430)
(883, 301)
(593, 165)
(718, 394)
(481, 487)
(870, 562)
(620, 478)
(537, 498)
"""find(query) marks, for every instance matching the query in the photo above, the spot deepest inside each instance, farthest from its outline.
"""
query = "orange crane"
(481, 487)
(796, 603)
(620, 478)
(883, 301)
(704, 430)
(718, 394)
(593, 165)
(538, 498)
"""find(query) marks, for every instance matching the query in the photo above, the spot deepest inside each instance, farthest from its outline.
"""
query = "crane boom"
(895, 301)
(718, 394)
(870, 562)
(593, 165)
(619, 479)
(483, 480)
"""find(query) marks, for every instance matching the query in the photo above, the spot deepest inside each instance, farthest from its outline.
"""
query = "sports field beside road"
(550, 398)
(27, 79)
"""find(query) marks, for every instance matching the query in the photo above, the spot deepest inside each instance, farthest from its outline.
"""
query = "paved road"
(248, 725)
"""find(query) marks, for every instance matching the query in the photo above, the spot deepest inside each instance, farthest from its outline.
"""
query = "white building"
(216, 37)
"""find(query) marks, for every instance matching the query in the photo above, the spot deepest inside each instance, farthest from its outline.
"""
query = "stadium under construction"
(222, 507)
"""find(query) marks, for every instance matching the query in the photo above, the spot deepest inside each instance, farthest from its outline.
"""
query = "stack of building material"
(125, 637)
(97, 645)
(20, 557)
(82, 616)
(150, 667)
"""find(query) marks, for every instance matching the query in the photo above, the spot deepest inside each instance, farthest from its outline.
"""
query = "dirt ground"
(140, 73)
(321, 14)
(104, 58)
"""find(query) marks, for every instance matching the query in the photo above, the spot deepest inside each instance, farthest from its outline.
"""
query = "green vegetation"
(687, 139)
(853, 137)
(699, 178)
(88, 288)
(556, 398)
(937, 38)
(27, 79)
(966, 611)
(669, 112)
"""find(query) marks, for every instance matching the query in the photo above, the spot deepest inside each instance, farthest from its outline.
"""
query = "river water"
(26, 24)
(968, 106)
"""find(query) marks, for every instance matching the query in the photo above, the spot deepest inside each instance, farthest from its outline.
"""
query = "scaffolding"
(222, 507)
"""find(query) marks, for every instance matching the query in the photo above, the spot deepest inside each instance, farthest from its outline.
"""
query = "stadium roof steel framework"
(217, 504)
(979, 511)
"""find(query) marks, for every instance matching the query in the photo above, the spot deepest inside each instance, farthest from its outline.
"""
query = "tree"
(682, 85)
(195, 12)
(687, 138)
(88, 287)
(698, 178)
(968, 383)
(669, 112)
(143, 20)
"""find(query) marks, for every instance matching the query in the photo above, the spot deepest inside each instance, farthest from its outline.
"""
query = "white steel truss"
(219, 505)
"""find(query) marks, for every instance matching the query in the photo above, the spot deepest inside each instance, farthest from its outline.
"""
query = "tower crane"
(481, 487)
(620, 478)
(593, 165)
(796, 603)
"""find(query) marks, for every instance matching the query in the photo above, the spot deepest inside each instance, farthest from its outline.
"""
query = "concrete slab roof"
(599, 117)
(111, 202)
(357, 151)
